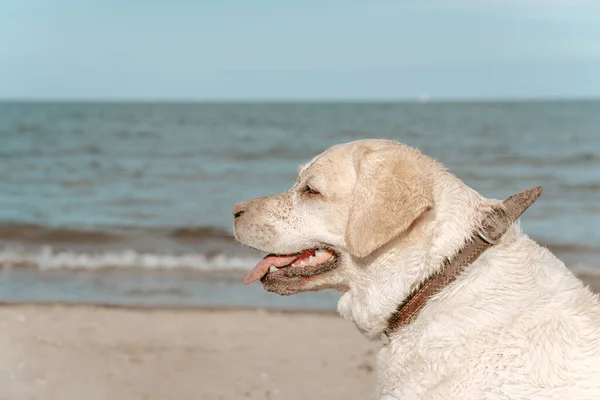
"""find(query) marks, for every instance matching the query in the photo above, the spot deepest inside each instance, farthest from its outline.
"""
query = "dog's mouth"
(307, 263)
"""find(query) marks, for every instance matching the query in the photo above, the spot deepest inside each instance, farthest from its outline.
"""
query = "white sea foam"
(46, 259)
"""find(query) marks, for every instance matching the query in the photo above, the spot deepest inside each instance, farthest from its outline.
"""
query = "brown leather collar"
(493, 227)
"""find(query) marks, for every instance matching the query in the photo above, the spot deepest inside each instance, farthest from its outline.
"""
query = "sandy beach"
(85, 352)
(98, 352)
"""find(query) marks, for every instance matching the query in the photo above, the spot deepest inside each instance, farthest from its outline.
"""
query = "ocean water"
(131, 203)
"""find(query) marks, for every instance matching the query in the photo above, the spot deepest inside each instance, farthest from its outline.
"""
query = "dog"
(375, 219)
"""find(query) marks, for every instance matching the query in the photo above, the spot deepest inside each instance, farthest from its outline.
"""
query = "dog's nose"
(239, 209)
(238, 214)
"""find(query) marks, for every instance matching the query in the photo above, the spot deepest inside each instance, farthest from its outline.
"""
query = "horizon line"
(288, 100)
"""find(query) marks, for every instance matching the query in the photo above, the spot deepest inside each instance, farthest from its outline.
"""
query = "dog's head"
(346, 204)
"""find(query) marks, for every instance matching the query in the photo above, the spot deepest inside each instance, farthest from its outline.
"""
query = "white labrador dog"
(374, 219)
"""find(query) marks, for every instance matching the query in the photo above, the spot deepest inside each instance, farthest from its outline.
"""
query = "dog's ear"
(389, 195)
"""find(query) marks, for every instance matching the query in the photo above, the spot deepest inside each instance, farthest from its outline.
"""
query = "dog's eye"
(310, 191)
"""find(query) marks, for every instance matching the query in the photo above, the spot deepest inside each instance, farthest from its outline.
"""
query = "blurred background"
(129, 129)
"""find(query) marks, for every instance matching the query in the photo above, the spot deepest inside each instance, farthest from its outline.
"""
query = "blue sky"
(303, 49)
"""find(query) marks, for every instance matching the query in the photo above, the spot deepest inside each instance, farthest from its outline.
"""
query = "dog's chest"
(437, 369)
(403, 373)
(411, 370)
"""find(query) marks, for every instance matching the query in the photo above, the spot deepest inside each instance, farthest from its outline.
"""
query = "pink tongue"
(263, 266)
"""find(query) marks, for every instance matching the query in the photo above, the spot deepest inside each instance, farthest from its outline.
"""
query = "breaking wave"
(202, 248)
(199, 248)
(47, 259)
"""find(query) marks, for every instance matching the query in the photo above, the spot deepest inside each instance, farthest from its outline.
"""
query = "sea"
(129, 204)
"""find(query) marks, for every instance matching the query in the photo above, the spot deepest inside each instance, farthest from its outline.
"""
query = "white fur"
(517, 324)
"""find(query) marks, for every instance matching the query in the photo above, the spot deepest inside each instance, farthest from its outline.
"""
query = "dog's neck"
(402, 265)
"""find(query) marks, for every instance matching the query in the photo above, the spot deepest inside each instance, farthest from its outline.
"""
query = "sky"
(299, 49)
